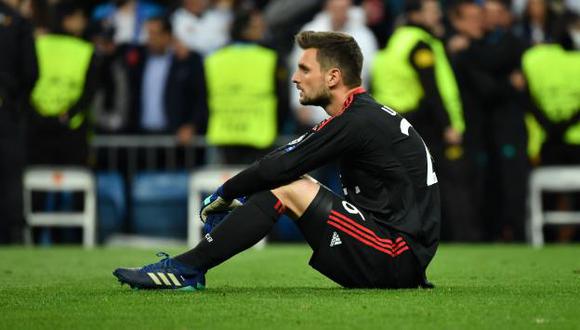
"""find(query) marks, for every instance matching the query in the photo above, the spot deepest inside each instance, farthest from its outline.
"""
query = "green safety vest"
(242, 96)
(63, 64)
(553, 76)
(395, 82)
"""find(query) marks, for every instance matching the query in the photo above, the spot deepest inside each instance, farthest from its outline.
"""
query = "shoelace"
(164, 263)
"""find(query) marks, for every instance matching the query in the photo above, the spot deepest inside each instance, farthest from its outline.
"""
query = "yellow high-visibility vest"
(63, 64)
(553, 76)
(242, 96)
(396, 84)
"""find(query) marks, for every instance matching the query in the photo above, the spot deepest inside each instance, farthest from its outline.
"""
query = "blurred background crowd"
(127, 86)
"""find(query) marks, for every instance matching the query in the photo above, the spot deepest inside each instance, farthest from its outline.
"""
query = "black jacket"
(18, 65)
(185, 95)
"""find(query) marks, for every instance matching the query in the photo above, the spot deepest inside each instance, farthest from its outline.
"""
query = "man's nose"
(295, 77)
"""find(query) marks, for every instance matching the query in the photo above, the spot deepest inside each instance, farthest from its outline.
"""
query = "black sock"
(240, 230)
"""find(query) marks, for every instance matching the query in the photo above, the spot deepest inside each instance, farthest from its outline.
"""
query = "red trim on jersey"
(366, 236)
(372, 233)
(322, 124)
(387, 251)
(359, 232)
(402, 250)
(282, 209)
(400, 245)
(345, 105)
(279, 207)
(359, 235)
(350, 98)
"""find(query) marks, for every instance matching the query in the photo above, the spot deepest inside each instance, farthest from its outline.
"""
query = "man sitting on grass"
(385, 230)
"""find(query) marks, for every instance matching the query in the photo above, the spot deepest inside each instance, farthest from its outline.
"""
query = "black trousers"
(506, 179)
(12, 155)
(50, 142)
(455, 172)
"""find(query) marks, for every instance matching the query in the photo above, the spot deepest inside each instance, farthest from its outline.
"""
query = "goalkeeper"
(382, 234)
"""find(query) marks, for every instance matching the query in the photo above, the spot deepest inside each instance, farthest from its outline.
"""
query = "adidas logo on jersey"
(335, 240)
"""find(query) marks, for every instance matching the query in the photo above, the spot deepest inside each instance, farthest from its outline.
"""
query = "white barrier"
(550, 179)
(205, 180)
(52, 179)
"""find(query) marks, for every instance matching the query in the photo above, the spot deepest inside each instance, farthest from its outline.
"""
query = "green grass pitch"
(478, 287)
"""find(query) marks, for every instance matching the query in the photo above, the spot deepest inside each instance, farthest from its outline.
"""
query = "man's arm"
(310, 151)
(29, 63)
(193, 111)
(422, 59)
(89, 89)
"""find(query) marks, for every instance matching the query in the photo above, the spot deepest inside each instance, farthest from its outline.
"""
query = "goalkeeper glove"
(212, 220)
(215, 203)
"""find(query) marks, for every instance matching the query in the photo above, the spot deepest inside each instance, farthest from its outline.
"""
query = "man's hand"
(185, 133)
(215, 203)
(452, 136)
(180, 49)
(63, 118)
(457, 43)
(518, 80)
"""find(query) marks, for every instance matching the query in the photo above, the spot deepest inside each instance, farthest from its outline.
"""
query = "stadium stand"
(159, 204)
(111, 204)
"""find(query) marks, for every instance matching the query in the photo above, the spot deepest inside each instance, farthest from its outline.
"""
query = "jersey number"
(352, 209)
(405, 125)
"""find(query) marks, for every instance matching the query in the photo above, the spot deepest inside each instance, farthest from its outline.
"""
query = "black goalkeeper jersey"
(385, 169)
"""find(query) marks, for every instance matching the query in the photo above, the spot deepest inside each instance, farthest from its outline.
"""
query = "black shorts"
(353, 250)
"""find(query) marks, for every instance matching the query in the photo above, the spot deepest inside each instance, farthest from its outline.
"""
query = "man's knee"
(298, 195)
(296, 188)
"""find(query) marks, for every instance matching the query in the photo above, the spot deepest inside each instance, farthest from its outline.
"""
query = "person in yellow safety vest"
(554, 122)
(412, 74)
(552, 75)
(57, 129)
(245, 85)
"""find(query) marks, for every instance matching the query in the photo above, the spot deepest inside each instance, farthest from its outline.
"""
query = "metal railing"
(125, 150)
(150, 145)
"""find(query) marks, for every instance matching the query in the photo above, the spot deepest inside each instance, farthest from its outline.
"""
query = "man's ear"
(333, 77)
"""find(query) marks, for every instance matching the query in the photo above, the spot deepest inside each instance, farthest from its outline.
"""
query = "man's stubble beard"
(322, 99)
